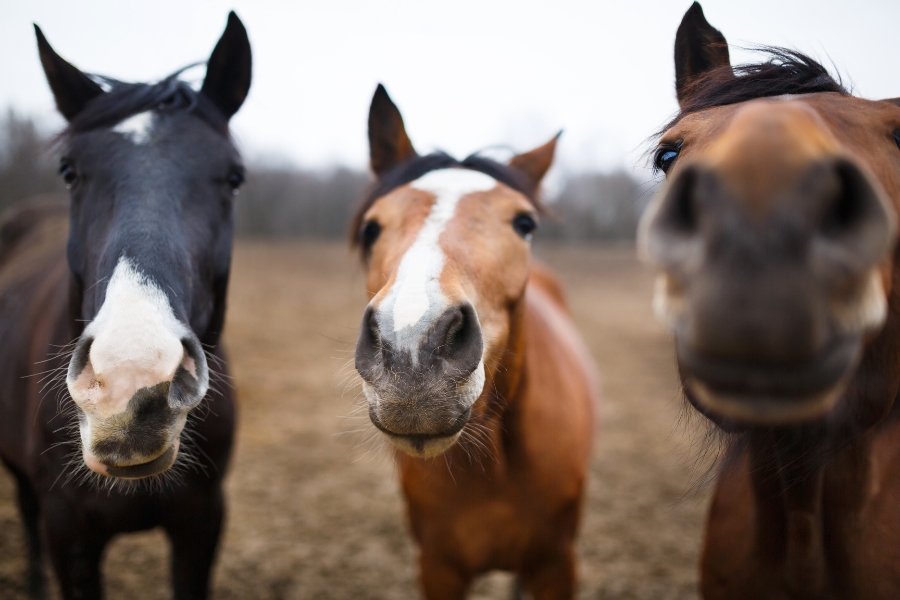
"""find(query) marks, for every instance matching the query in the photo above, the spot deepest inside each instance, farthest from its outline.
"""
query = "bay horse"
(775, 240)
(471, 365)
(134, 270)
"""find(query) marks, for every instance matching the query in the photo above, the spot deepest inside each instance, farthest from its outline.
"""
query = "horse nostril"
(851, 200)
(456, 338)
(678, 212)
(368, 346)
(80, 357)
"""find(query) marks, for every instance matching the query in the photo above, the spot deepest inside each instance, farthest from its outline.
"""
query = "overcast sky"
(465, 74)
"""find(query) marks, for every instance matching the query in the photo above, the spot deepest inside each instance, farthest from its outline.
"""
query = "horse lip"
(770, 394)
(154, 467)
(421, 438)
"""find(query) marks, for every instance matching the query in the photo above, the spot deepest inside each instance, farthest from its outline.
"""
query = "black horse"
(109, 342)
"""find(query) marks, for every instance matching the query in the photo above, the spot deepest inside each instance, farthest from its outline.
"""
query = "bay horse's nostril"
(855, 223)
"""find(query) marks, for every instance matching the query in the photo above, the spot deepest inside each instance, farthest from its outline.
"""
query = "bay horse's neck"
(810, 482)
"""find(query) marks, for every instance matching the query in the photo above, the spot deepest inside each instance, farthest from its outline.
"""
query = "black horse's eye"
(235, 179)
(524, 224)
(69, 174)
(665, 157)
(369, 235)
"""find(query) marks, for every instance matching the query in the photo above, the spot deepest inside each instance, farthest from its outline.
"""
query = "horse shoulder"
(561, 390)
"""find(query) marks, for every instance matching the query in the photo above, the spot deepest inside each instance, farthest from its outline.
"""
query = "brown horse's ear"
(229, 68)
(699, 48)
(388, 143)
(535, 164)
(71, 88)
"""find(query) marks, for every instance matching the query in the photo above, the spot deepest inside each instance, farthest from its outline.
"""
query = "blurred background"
(501, 76)
(314, 507)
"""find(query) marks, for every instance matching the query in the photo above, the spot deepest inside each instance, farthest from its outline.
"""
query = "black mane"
(783, 72)
(418, 166)
(123, 100)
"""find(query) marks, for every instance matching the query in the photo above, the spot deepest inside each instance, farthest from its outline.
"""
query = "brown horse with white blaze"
(471, 365)
(775, 240)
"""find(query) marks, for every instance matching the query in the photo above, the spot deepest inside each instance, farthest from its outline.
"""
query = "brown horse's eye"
(897, 137)
(524, 224)
(69, 174)
(665, 157)
(369, 235)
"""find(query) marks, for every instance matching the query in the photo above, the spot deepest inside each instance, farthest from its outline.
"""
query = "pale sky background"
(465, 74)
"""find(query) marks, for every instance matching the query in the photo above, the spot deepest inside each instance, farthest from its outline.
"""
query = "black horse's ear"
(229, 68)
(535, 164)
(388, 143)
(71, 88)
(699, 48)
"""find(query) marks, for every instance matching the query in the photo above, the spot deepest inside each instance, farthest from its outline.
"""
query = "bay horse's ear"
(535, 164)
(229, 68)
(699, 48)
(71, 88)
(388, 143)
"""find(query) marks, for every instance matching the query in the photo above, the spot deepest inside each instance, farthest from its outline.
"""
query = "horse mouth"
(769, 394)
(153, 467)
(423, 445)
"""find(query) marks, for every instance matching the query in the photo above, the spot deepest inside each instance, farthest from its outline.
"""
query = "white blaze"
(136, 127)
(417, 287)
(136, 344)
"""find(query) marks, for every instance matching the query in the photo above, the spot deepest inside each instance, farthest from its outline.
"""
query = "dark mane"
(123, 100)
(783, 72)
(415, 168)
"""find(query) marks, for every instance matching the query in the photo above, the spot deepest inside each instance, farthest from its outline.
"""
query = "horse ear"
(388, 143)
(699, 48)
(71, 88)
(229, 68)
(535, 164)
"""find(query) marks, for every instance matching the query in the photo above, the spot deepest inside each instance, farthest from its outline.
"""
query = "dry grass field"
(315, 512)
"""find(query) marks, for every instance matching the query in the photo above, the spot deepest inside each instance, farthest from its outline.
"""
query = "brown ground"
(316, 514)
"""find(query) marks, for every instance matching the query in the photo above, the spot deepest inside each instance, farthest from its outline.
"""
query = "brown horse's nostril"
(455, 339)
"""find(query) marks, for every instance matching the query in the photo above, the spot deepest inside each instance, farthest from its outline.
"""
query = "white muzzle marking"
(137, 343)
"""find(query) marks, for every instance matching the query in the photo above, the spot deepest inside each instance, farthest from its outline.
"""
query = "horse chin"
(762, 409)
(155, 466)
(421, 446)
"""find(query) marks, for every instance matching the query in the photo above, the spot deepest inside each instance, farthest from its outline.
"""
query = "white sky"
(466, 74)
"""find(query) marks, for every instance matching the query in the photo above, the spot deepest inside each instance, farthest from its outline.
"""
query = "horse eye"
(524, 224)
(69, 175)
(665, 158)
(369, 235)
(235, 179)
(897, 137)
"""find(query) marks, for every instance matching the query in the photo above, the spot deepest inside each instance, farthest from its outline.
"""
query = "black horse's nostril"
(80, 357)
(454, 340)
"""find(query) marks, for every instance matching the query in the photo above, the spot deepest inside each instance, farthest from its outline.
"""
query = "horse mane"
(124, 99)
(416, 167)
(783, 72)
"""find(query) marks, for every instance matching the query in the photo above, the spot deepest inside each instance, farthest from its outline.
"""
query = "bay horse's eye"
(665, 157)
(524, 224)
(369, 235)
(69, 175)
(235, 179)
(897, 137)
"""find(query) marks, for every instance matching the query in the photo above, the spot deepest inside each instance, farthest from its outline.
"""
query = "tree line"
(289, 201)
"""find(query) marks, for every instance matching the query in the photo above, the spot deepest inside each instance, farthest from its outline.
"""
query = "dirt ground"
(314, 509)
